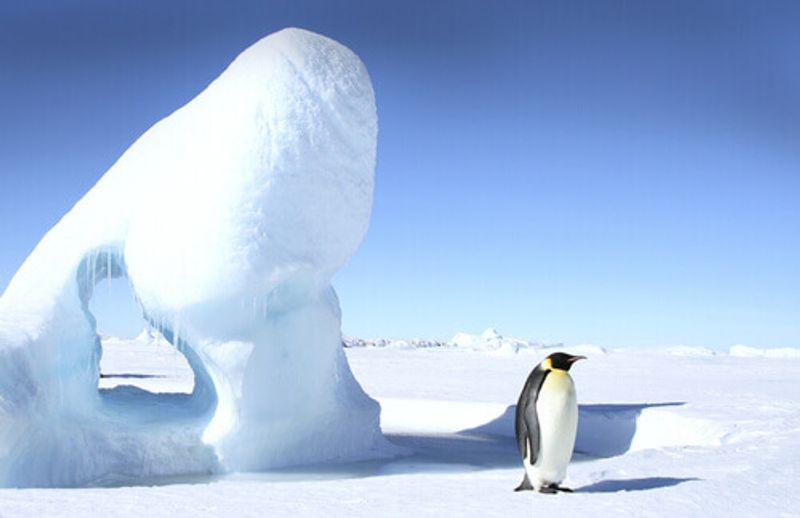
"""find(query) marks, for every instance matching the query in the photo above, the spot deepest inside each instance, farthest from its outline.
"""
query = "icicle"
(91, 271)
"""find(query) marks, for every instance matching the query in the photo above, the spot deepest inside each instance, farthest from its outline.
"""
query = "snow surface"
(659, 435)
(263, 185)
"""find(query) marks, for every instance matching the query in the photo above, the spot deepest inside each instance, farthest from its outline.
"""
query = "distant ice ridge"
(263, 188)
(487, 341)
(490, 340)
(414, 343)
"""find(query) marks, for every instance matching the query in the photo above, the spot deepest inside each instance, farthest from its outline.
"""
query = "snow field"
(659, 435)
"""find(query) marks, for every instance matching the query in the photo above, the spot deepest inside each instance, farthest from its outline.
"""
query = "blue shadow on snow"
(634, 484)
(604, 430)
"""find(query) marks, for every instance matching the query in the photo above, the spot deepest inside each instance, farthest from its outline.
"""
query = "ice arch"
(229, 218)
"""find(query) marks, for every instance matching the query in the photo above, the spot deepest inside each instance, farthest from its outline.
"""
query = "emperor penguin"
(546, 424)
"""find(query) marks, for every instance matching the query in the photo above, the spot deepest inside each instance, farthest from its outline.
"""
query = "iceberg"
(228, 218)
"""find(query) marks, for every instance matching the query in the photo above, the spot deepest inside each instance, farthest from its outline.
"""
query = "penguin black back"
(527, 438)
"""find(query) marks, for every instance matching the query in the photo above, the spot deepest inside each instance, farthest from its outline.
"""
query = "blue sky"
(621, 173)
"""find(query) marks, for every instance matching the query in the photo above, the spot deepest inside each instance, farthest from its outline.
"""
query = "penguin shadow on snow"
(634, 484)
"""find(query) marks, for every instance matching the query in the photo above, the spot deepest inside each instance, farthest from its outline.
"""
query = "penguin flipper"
(527, 421)
(522, 430)
(525, 485)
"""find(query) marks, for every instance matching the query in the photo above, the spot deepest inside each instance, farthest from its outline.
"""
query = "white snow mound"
(257, 192)
(690, 351)
(744, 351)
(491, 340)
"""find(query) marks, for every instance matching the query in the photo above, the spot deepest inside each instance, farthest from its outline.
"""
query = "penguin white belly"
(557, 413)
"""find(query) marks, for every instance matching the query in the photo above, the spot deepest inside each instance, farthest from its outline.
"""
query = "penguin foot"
(525, 485)
(548, 490)
(563, 489)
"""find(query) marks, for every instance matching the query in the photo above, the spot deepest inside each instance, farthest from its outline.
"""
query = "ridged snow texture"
(228, 219)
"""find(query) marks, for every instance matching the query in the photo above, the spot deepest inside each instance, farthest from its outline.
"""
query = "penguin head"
(560, 361)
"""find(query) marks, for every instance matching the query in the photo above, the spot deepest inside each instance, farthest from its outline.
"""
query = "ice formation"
(228, 218)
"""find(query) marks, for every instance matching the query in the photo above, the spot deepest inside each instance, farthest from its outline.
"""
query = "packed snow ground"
(673, 432)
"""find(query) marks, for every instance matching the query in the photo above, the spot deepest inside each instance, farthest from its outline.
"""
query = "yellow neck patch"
(547, 365)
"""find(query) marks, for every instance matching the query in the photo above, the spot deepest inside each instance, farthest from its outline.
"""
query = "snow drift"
(228, 218)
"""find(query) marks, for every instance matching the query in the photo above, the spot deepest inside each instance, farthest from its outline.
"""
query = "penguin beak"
(576, 358)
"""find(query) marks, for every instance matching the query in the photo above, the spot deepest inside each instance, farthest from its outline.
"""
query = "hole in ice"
(134, 354)
(115, 310)
(144, 379)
